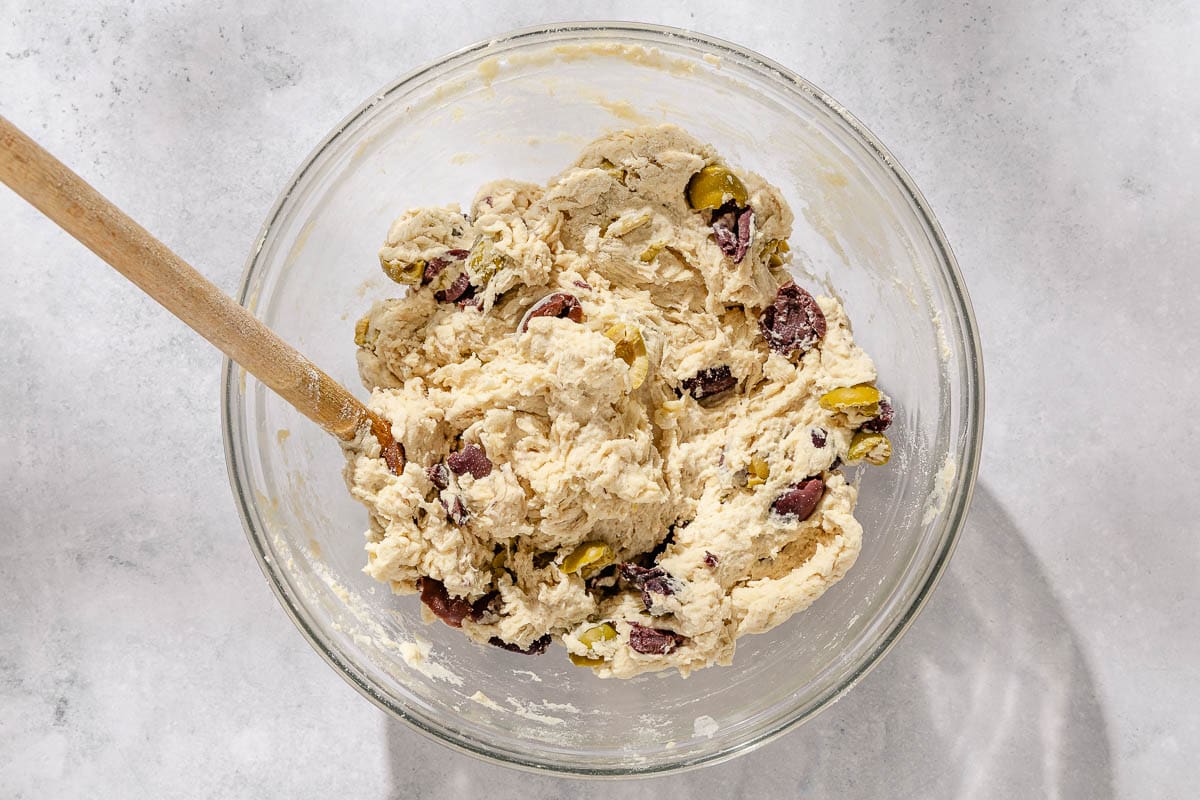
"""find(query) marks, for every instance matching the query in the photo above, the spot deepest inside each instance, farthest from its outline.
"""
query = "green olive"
(618, 173)
(874, 448)
(757, 473)
(630, 348)
(713, 187)
(587, 558)
(604, 632)
(484, 261)
(863, 399)
(403, 273)
(360, 331)
(774, 251)
(584, 661)
(651, 253)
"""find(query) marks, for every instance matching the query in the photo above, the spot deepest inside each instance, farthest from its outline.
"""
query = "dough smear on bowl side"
(623, 421)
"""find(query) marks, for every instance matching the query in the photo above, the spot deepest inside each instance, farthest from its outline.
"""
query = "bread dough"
(578, 449)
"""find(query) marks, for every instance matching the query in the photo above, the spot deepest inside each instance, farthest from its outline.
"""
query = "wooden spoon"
(81, 211)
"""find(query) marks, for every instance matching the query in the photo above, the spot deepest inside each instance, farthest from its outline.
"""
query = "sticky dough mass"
(581, 453)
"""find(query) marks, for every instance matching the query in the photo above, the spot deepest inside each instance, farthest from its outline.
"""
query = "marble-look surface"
(141, 652)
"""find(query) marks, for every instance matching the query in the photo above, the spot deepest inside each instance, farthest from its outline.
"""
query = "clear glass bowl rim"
(965, 333)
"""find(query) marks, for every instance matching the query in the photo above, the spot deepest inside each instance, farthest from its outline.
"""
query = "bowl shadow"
(987, 695)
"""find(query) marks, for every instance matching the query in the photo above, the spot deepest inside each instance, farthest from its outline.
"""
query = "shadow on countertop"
(988, 695)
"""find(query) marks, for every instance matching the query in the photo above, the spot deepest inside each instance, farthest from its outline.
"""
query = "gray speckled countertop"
(141, 652)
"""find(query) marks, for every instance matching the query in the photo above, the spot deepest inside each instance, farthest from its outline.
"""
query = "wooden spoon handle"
(104, 229)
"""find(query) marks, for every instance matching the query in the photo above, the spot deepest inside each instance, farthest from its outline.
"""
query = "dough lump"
(603, 448)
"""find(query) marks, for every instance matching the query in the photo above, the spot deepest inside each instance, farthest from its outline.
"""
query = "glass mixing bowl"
(522, 106)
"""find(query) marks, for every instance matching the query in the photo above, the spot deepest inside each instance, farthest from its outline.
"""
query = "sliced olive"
(874, 448)
(403, 273)
(484, 262)
(757, 473)
(603, 632)
(360, 332)
(584, 661)
(863, 399)
(587, 558)
(774, 251)
(630, 348)
(651, 253)
(617, 172)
